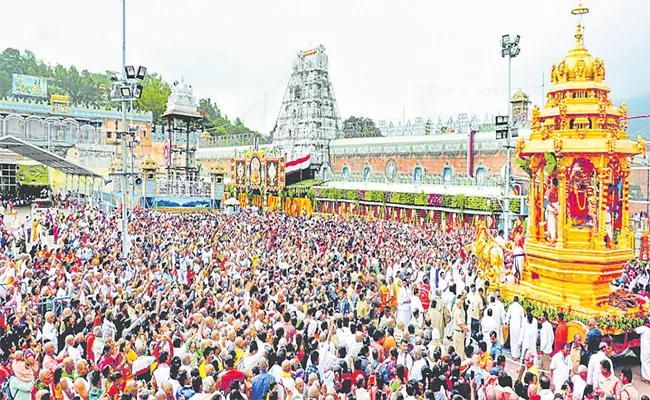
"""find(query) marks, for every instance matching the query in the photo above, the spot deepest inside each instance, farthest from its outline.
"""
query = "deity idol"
(578, 199)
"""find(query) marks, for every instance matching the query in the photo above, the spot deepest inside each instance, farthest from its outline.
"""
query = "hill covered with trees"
(89, 89)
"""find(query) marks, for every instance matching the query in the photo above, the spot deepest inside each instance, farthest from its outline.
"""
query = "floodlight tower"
(511, 50)
(127, 88)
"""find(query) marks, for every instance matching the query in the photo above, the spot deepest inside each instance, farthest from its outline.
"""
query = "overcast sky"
(387, 58)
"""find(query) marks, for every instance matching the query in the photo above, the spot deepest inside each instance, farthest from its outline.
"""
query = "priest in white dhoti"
(499, 314)
(515, 320)
(530, 335)
(404, 304)
(644, 331)
(489, 324)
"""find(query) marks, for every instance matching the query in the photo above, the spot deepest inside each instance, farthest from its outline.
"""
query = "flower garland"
(610, 324)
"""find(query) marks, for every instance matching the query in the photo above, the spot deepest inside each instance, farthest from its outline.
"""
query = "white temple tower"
(309, 116)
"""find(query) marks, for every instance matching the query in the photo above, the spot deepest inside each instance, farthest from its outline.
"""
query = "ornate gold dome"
(149, 163)
(578, 65)
(520, 96)
(578, 107)
(116, 165)
(217, 169)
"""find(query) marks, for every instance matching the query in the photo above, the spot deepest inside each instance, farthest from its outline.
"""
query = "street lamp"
(130, 71)
(125, 91)
(137, 91)
(142, 71)
(510, 49)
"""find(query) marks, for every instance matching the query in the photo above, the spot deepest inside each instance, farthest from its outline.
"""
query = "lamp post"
(126, 89)
(511, 50)
(125, 216)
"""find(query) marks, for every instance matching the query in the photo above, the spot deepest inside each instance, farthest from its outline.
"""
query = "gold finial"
(579, 12)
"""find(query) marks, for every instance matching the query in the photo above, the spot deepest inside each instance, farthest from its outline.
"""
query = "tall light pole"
(511, 50)
(126, 88)
(125, 215)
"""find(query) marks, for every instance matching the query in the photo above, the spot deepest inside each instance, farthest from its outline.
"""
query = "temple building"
(309, 117)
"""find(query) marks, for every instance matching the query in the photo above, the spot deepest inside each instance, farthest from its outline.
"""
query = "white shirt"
(644, 331)
(74, 354)
(546, 338)
(593, 372)
(530, 336)
(161, 374)
(141, 364)
(561, 367)
(416, 303)
(389, 271)
(498, 311)
(515, 315)
(579, 386)
(416, 371)
(405, 359)
(488, 324)
(49, 334)
(403, 296)
(546, 394)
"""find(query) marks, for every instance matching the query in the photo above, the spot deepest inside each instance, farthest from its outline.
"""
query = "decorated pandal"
(577, 157)
(260, 181)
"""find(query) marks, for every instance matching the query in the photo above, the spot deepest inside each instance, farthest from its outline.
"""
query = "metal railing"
(56, 305)
(50, 130)
(244, 139)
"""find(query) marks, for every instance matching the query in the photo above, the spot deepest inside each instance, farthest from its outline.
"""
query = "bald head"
(417, 353)
(168, 388)
(131, 387)
(300, 384)
(82, 367)
(68, 364)
(48, 348)
(263, 364)
(312, 392)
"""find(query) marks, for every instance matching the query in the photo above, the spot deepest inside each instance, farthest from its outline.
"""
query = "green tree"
(92, 90)
(210, 108)
(155, 92)
(221, 131)
(10, 63)
(360, 127)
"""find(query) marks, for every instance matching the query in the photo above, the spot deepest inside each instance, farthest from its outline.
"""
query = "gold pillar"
(561, 216)
(603, 181)
(541, 193)
(624, 240)
(533, 205)
(536, 196)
